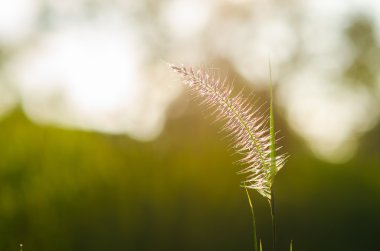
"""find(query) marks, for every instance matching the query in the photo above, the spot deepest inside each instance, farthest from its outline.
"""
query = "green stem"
(253, 220)
(273, 213)
(272, 158)
(291, 245)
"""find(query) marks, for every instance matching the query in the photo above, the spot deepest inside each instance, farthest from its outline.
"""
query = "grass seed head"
(247, 128)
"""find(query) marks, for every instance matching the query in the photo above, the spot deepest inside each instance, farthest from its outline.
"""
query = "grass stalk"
(255, 246)
(272, 159)
(248, 130)
(273, 214)
(291, 245)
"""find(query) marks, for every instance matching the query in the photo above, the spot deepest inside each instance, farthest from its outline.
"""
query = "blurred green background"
(144, 168)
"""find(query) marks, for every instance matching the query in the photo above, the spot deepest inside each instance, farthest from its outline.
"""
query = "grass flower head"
(251, 132)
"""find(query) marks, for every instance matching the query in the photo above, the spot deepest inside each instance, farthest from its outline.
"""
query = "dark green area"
(69, 190)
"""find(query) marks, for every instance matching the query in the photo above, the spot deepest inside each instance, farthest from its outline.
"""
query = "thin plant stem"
(291, 245)
(272, 158)
(253, 220)
(273, 214)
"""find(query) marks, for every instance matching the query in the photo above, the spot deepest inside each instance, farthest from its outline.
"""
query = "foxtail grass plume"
(250, 131)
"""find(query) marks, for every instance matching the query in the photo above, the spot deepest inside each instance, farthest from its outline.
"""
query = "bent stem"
(253, 220)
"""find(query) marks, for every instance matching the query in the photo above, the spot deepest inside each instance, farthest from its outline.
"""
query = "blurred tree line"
(71, 190)
(67, 190)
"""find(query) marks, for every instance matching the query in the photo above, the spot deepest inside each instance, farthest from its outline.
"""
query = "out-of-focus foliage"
(69, 190)
(364, 68)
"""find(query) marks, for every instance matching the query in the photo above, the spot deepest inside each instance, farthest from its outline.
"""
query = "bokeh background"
(102, 149)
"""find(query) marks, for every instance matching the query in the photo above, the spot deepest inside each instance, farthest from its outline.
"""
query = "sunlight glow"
(185, 18)
(16, 19)
(330, 117)
(89, 78)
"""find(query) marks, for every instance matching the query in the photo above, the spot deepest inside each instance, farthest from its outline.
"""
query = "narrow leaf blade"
(253, 220)
(271, 126)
